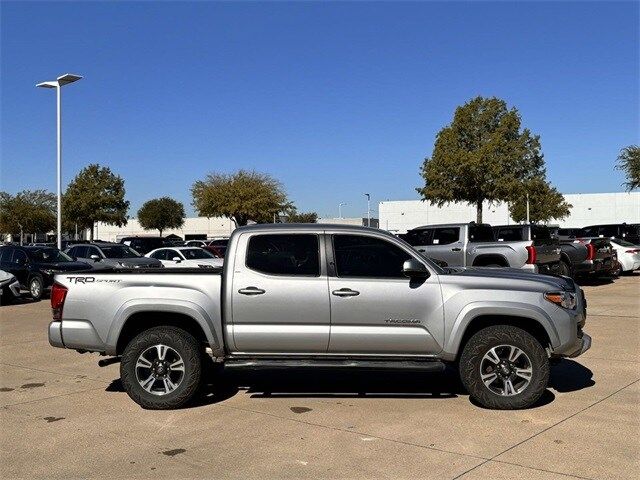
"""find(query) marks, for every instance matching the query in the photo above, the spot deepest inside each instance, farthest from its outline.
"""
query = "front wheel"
(161, 368)
(504, 367)
(564, 269)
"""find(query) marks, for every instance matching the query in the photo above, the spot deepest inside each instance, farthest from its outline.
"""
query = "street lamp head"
(47, 84)
(68, 78)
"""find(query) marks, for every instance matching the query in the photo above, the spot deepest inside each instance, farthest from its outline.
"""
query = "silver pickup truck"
(475, 245)
(324, 296)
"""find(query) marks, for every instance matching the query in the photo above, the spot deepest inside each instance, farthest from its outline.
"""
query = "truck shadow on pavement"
(566, 376)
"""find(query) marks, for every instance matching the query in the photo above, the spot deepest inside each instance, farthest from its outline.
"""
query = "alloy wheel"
(506, 370)
(159, 369)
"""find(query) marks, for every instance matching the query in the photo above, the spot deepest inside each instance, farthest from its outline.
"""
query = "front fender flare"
(493, 308)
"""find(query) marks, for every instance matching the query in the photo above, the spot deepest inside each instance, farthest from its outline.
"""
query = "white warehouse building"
(588, 209)
(194, 228)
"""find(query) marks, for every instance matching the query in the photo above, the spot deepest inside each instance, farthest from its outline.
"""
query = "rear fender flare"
(184, 307)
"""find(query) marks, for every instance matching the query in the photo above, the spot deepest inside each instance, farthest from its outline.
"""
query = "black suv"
(34, 267)
(144, 245)
(622, 231)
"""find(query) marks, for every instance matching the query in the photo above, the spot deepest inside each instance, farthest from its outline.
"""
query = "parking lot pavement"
(63, 416)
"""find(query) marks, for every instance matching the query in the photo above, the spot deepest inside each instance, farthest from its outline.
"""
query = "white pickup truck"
(326, 296)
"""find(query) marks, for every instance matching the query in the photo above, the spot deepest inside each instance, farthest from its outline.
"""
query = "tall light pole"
(527, 208)
(58, 84)
(368, 209)
(340, 209)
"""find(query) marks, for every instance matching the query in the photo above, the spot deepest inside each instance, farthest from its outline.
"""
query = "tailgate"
(547, 247)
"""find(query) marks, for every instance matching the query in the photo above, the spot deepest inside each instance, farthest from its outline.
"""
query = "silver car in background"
(114, 255)
(181, 257)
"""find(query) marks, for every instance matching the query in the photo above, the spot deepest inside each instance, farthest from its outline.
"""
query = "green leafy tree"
(31, 211)
(96, 194)
(629, 163)
(484, 154)
(545, 203)
(161, 213)
(241, 196)
(302, 217)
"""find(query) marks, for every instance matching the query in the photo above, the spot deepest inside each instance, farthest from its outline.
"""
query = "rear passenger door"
(280, 294)
(375, 308)
(446, 245)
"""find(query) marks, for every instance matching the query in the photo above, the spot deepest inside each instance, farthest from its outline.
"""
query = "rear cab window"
(481, 233)
(421, 237)
(284, 254)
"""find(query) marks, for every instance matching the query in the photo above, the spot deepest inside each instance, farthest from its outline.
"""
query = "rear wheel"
(617, 269)
(564, 269)
(504, 367)
(161, 368)
(36, 287)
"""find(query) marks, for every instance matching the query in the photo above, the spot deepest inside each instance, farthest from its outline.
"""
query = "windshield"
(195, 254)
(49, 255)
(119, 251)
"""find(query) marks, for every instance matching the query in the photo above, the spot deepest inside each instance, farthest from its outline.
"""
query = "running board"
(255, 363)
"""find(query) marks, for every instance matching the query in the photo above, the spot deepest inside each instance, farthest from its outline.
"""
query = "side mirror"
(176, 259)
(413, 268)
(95, 258)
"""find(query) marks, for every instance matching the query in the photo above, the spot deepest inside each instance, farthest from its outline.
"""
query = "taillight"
(591, 251)
(532, 255)
(58, 295)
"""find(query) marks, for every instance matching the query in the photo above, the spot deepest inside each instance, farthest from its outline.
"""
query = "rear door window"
(286, 254)
(445, 236)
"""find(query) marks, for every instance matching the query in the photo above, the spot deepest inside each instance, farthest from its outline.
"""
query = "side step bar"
(255, 363)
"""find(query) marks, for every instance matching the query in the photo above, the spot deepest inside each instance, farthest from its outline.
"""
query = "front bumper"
(581, 345)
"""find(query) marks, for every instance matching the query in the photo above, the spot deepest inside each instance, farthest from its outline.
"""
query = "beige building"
(194, 228)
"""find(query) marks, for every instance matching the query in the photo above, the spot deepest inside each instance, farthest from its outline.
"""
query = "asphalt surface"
(62, 416)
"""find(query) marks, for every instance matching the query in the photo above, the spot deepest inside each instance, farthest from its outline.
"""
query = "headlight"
(562, 299)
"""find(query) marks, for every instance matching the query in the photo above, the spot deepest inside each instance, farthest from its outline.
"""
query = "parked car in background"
(628, 255)
(545, 248)
(9, 287)
(185, 257)
(601, 257)
(34, 267)
(114, 255)
(566, 233)
(472, 245)
(143, 245)
(623, 231)
(195, 243)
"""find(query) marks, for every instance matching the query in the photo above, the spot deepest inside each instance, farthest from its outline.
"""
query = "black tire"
(36, 287)
(617, 270)
(497, 336)
(564, 269)
(184, 344)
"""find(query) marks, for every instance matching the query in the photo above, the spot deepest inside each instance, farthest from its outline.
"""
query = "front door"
(280, 296)
(447, 246)
(375, 309)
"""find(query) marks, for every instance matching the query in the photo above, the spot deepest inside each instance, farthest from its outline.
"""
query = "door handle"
(456, 249)
(345, 292)
(251, 291)
(421, 249)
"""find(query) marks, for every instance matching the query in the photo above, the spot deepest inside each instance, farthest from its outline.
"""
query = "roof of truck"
(310, 226)
(448, 225)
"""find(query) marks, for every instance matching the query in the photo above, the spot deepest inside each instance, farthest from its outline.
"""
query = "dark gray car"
(114, 255)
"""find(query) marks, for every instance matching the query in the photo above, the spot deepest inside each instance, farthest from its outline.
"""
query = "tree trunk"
(160, 230)
(479, 211)
(93, 225)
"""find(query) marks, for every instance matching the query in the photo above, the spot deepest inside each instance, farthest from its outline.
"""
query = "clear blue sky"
(334, 99)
